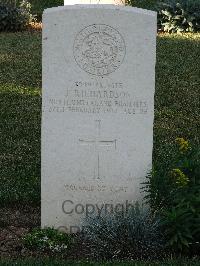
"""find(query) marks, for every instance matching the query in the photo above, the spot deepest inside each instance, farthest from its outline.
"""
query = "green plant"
(179, 16)
(180, 205)
(48, 239)
(181, 221)
(38, 6)
(9, 2)
(181, 225)
(14, 18)
(134, 235)
(147, 4)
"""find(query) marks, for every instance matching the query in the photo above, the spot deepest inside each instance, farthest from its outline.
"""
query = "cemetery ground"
(177, 114)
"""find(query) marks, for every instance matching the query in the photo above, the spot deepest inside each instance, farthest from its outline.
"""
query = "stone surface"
(98, 109)
(74, 2)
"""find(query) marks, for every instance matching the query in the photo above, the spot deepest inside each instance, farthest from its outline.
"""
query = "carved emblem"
(99, 49)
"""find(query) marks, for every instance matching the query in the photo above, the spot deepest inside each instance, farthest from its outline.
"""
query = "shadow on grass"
(20, 59)
(20, 115)
(177, 104)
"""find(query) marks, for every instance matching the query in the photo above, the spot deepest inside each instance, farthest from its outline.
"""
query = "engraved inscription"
(95, 188)
(85, 97)
(99, 49)
(83, 105)
(98, 142)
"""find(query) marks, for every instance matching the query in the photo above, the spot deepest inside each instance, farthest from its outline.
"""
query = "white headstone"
(74, 2)
(98, 109)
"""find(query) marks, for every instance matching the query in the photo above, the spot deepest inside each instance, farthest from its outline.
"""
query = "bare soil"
(18, 220)
(15, 221)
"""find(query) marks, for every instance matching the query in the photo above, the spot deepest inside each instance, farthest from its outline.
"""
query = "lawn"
(177, 106)
(20, 116)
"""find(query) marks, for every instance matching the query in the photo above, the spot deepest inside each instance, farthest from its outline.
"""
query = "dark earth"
(15, 221)
(18, 220)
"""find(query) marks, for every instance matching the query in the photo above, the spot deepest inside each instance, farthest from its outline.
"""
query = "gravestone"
(114, 2)
(98, 110)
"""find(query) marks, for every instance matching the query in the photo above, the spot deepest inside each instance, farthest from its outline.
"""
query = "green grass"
(177, 106)
(177, 98)
(44, 262)
(20, 112)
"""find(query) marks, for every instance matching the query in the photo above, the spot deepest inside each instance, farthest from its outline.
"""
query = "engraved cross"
(97, 142)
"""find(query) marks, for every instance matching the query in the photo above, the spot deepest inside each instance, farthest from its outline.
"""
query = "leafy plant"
(180, 205)
(134, 235)
(146, 4)
(181, 225)
(14, 18)
(179, 16)
(9, 2)
(48, 239)
(38, 6)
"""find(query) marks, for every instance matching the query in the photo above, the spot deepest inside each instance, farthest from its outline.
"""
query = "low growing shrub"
(14, 18)
(135, 235)
(48, 239)
(146, 4)
(179, 16)
(179, 205)
(38, 6)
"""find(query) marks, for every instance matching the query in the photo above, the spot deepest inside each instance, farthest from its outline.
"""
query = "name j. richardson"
(100, 94)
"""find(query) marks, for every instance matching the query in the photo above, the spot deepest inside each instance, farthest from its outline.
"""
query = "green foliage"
(179, 16)
(134, 235)
(14, 18)
(146, 4)
(35, 7)
(175, 191)
(181, 225)
(38, 6)
(48, 239)
(20, 111)
(9, 2)
(173, 15)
